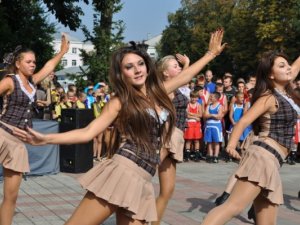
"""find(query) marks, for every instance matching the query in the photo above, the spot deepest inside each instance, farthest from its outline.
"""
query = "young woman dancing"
(273, 114)
(140, 111)
(18, 91)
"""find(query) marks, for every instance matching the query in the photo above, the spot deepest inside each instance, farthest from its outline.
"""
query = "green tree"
(251, 28)
(66, 12)
(278, 25)
(106, 36)
(189, 30)
(23, 22)
(176, 37)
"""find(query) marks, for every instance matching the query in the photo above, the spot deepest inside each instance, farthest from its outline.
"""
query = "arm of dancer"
(6, 86)
(97, 126)
(215, 48)
(262, 105)
(295, 68)
(52, 63)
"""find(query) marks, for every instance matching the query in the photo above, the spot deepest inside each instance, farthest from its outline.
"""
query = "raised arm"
(52, 63)
(295, 68)
(97, 126)
(215, 48)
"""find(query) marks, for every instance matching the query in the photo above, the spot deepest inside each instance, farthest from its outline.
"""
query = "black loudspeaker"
(77, 158)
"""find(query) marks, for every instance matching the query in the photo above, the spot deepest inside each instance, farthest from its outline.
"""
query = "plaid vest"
(280, 126)
(17, 107)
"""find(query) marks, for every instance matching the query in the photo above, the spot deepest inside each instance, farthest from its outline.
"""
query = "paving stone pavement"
(50, 199)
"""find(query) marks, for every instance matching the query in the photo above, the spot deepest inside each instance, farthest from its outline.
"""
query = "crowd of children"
(215, 106)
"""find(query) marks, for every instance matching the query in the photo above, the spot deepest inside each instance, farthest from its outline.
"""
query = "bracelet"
(211, 53)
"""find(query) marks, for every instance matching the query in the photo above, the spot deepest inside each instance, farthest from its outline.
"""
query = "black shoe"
(215, 160)
(299, 194)
(209, 159)
(186, 155)
(292, 158)
(220, 200)
(251, 214)
(197, 156)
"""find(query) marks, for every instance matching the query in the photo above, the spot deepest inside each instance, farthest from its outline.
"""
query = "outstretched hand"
(30, 136)
(64, 43)
(215, 44)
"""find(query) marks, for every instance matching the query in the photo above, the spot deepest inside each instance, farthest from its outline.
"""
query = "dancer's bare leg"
(243, 194)
(125, 220)
(265, 211)
(167, 176)
(91, 211)
(11, 186)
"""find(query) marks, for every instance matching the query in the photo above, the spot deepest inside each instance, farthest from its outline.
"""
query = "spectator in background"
(81, 101)
(229, 91)
(209, 85)
(213, 134)
(63, 103)
(90, 98)
(223, 99)
(200, 86)
(193, 130)
(97, 109)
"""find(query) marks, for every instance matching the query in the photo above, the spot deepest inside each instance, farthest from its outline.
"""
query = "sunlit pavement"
(50, 199)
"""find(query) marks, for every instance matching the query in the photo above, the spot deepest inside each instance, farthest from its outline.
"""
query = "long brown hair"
(264, 85)
(133, 118)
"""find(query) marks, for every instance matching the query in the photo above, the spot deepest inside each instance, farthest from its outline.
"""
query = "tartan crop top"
(280, 126)
(17, 107)
(155, 136)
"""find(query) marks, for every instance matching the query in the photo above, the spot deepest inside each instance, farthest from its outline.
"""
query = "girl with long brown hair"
(273, 113)
(143, 115)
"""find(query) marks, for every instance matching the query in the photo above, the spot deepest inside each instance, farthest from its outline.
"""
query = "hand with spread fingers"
(183, 59)
(30, 136)
(215, 44)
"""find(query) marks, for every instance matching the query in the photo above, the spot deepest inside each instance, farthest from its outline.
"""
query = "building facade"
(72, 58)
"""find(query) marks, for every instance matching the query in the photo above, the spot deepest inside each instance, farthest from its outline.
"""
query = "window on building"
(74, 63)
(74, 50)
(64, 62)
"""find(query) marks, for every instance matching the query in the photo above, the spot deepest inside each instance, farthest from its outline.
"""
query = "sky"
(143, 19)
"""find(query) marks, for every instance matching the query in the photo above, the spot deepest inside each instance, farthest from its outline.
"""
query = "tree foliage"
(23, 22)
(106, 36)
(66, 12)
(251, 28)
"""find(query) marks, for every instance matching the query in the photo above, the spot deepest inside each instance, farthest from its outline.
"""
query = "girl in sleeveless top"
(18, 90)
(273, 113)
(140, 111)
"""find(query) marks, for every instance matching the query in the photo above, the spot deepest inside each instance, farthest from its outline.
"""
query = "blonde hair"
(162, 65)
